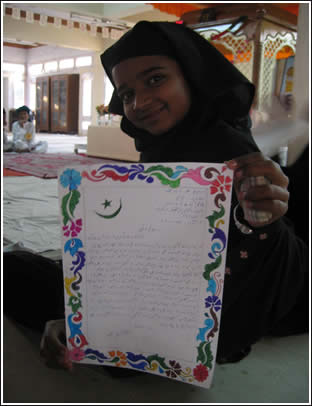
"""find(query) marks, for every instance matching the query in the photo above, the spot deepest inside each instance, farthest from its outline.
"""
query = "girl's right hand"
(52, 346)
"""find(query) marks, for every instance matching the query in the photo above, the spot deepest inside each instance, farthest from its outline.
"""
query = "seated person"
(7, 145)
(24, 133)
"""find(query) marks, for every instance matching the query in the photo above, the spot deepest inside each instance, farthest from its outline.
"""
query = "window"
(35, 69)
(18, 92)
(86, 97)
(50, 66)
(108, 91)
(13, 67)
(83, 61)
(32, 96)
(85, 125)
(66, 63)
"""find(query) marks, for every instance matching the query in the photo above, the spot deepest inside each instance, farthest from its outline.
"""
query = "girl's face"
(23, 116)
(153, 91)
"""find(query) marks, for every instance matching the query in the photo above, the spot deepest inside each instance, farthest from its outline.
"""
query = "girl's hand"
(264, 199)
(52, 347)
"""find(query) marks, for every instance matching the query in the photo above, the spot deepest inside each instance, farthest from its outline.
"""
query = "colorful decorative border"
(220, 186)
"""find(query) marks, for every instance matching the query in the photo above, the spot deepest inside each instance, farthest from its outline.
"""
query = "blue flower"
(71, 178)
(73, 246)
(214, 302)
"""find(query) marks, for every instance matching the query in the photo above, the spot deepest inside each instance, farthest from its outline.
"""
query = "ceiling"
(119, 13)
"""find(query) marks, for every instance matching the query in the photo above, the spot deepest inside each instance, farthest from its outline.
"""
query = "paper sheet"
(144, 248)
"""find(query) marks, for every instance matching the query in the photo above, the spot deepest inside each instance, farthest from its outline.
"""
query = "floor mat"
(10, 172)
(45, 165)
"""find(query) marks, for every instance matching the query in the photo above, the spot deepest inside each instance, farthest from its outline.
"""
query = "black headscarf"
(217, 126)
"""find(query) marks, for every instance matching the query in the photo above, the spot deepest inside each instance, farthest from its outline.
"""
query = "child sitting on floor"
(24, 133)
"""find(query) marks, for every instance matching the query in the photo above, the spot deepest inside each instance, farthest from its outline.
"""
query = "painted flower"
(243, 254)
(175, 369)
(73, 246)
(74, 229)
(76, 354)
(71, 178)
(200, 373)
(122, 358)
(214, 302)
(220, 184)
(263, 236)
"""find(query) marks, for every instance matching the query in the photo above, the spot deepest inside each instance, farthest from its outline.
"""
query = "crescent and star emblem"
(106, 204)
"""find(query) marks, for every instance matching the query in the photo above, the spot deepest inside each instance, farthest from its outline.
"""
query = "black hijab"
(217, 127)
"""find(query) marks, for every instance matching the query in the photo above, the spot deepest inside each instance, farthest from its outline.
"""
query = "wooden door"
(64, 103)
(43, 104)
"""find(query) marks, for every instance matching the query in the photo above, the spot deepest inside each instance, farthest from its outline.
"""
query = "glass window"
(13, 67)
(66, 63)
(108, 91)
(18, 93)
(86, 97)
(83, 61)
(32, 96)
(85, 125)
(50, 66)
(35, 69)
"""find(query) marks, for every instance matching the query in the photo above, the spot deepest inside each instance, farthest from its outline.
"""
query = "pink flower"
(76, 354)
(200, 373)
(74, 229)
(220, 184)
(263, 236)
(244, 254)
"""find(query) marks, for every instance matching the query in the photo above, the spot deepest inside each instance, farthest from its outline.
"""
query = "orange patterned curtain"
(176, 8)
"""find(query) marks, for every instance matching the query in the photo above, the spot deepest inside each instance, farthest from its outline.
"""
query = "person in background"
(24, 135)
(7, 145)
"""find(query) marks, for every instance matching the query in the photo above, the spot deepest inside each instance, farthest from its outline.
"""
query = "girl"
(181, 100)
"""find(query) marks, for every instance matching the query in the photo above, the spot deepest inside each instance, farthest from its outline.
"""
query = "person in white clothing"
(24, 134)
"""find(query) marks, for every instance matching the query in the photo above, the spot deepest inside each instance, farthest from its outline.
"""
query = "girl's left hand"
(265, 198)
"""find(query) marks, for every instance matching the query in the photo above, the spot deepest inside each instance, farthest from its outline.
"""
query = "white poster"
(144, 251)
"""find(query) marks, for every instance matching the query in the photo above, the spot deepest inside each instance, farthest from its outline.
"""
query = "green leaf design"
(204, 354)
(74, 200)
(215, 216)
(161, 168)
(116, 359)
(211, 267)
(64, 208)
(161, 361)
(165, 181)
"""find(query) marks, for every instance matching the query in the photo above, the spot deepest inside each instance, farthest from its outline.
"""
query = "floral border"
(220, 186)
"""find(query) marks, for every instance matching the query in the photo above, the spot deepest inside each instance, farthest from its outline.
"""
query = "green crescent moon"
(110, 216)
